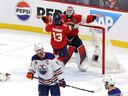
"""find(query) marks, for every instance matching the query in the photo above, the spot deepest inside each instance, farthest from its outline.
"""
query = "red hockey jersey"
(58, 35)
(75, 20)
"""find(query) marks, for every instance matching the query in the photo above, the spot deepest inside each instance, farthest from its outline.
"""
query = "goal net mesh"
(101, 54)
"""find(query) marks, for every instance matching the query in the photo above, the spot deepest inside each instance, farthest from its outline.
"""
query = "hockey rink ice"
(16, 50)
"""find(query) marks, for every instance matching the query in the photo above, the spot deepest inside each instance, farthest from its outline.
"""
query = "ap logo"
(23, 11)
(108, 18)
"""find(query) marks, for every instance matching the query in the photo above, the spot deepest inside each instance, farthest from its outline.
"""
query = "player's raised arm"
(45, 19)
(90, 18)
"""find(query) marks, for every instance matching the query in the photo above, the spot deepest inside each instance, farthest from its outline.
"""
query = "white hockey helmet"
(111, 82)
(38, 48)
(109, 79)
(70, 11)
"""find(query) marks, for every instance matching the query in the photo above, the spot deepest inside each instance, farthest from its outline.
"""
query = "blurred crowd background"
(110, 4)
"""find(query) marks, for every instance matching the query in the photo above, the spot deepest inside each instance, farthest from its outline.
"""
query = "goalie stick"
(92, 91)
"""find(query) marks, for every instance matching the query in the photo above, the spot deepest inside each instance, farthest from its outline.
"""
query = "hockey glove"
(4, 77)
(30, 75)
(62, 83)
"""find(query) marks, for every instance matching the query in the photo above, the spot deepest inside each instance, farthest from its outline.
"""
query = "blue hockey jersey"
(114, 92)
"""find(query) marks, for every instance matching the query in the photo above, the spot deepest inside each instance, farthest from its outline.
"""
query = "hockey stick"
(80, 89)
(75, 87)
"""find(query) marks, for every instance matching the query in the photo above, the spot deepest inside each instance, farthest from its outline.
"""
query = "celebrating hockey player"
(109, 83)
(59, 32)
(74, 42)
(49, 72)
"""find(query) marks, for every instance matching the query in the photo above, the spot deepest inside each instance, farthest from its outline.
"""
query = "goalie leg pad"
(82, 53)
(81, 58)
(70, 50)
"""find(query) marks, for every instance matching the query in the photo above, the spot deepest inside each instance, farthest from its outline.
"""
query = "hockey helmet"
(108, 81)
(38, 48)
(111, 82)
(70, 11)
(109, 78)
(56, 18)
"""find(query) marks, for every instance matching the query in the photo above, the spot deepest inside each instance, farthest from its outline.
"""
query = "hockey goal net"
(100, 51)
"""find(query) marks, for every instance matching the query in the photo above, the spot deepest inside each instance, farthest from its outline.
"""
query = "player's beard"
(41, 55)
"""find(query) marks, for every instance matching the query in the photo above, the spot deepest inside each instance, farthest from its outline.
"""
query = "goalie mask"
(56, 19)
(70, 11)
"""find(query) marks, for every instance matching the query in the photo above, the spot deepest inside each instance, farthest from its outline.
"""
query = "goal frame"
(104, 29)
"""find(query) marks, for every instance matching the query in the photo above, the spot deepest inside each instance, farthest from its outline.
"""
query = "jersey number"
(57, 36)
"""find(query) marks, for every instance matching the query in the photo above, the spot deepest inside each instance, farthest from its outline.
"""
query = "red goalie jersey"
(75, 20)
(58, 35)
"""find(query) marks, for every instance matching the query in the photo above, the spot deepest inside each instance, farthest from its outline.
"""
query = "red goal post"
(103, 41)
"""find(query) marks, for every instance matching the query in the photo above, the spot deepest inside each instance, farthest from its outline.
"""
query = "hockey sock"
(71, 49)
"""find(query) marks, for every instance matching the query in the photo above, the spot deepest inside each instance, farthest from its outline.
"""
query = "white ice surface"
(16, 49)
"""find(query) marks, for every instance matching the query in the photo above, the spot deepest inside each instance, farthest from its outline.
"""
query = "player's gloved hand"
(30, 75)
(62, 83)
(4, 76)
